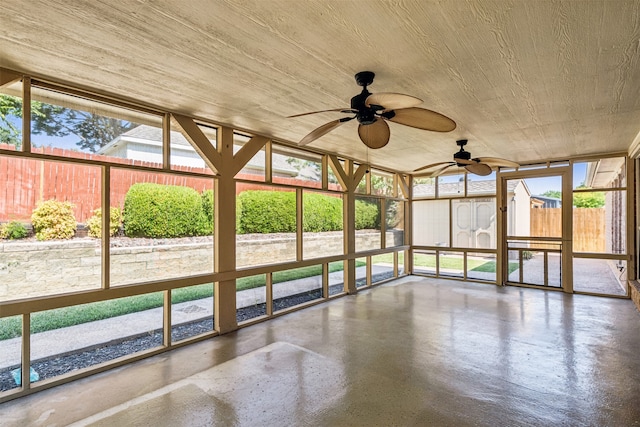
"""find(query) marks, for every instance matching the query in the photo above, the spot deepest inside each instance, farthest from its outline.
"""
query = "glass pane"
(534, 207)
(534, 256)
(101, 331)
(362, 185)
(191, 311)
(481, 184)
(394, 223)
(381, 267)
(265, 225)
(431, 223)
(451, 264)
(600, 276)
(296, 167)
(10, 353)
(322, 224)
(296, 286)
(336, 278)
(168, 226)
(368, 234)
(254, 170)
(183, 156)
(604, 173)
(64, 125)
(381, 183)
(44, 248)
(424, 262)
(333, 181)
(251, 297)
(474, 223)
(424, 187)
(451, 185)
(211, 132)
(361, 272)
(11, 119)
(399, 186)
(401, 257)
(599, 222)
(482, 266)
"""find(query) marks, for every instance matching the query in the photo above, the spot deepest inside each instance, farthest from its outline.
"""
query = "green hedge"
(321, 212)
(275, 212)
(154, 210)
(266, 212)
(367, 214)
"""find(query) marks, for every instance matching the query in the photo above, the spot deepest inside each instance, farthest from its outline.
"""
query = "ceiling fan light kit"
(372, 111)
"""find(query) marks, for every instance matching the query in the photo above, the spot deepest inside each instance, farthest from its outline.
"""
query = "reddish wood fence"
(25, 182)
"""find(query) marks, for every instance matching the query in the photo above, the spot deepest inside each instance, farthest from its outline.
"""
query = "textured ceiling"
(524, 80)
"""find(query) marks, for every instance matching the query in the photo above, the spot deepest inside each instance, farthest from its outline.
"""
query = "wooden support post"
(225, 235)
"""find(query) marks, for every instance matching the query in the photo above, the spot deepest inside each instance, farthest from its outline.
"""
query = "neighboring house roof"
(152, 136)
(473, 187)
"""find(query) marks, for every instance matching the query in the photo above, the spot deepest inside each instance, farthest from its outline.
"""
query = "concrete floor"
(415, 352)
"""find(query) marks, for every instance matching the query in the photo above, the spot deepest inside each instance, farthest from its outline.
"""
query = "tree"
(93, 130)
(10, 133)
(593, 199)
(556, 194)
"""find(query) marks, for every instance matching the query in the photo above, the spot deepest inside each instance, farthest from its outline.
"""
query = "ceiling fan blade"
(432, 165)
(497, 162)
(479, 169)
(343, 110)
(439, 171)
(465, 162)
(375, 135)
(323, 130)
(422, 118)
(392, 101)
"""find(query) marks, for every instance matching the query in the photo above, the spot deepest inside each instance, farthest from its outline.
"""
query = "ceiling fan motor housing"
(365, 115)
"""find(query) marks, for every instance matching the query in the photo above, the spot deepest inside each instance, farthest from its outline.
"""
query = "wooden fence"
(24, 182)
(589, 227)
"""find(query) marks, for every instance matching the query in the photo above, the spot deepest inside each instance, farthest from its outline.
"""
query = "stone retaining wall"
(46, 268)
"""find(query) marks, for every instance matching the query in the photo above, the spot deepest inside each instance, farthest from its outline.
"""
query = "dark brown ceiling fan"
(480, 165)
(373, 110)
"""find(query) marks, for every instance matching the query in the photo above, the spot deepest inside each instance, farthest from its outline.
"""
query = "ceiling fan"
(373, 110)
(480, 165)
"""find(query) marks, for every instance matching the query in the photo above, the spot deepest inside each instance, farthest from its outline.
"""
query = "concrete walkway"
(73, 338)
(589, 275)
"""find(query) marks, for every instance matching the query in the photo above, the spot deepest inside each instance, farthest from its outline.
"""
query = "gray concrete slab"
(414, 352)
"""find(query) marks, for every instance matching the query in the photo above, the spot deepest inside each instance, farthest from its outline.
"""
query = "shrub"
(275, 212)
(53, 220)
(266, 212)
(13, 230)
(321, 212)
(154, 210)
(208, 207)
(367, 215)
(94, 224)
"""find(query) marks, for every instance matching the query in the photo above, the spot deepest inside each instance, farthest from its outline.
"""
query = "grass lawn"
(10, 327)
(454, 263)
